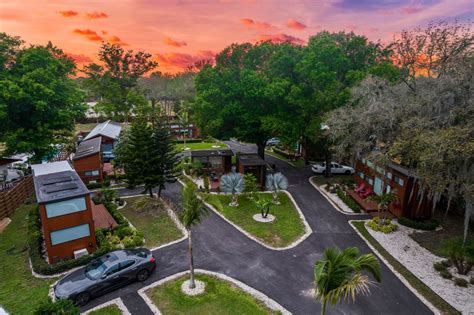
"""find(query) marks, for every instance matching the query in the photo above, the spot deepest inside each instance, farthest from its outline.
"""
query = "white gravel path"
(420, 262)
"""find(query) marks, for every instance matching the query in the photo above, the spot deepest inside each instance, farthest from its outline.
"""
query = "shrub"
(460, 282)
(386, 227)
(446, 274)
(462, 256)
(189, 141)
(348, 201)
(427, 225)
(438, 266)
(206, 183)
(250, 182)
(471, 281)
(94, 185)
(447, 263)
(63, 307)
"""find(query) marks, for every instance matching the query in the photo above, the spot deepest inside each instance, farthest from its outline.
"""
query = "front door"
(378, 186)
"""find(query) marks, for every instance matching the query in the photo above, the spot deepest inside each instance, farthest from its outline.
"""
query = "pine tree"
(167, 161)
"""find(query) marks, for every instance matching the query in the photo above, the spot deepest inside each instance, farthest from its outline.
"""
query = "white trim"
(117, 301)
(395, 272)
(270, 303)
(307, 228)
(335, 205)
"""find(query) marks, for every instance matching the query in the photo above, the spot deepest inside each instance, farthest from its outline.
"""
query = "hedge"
(427, 225)
(189, 141)
(348, 201)
(285, 154)
(131, 237)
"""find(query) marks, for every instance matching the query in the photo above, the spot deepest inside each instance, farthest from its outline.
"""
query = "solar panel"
(59, 188)
(55, 180)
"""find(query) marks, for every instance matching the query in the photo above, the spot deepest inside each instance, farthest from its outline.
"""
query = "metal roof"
(87, 148)
(57, 181)
(216, 152)
(109, 128)
(251, 160)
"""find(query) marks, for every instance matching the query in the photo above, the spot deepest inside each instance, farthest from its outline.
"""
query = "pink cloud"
(181, 60)
(96, 15)
(116, 40)
(175, 43)
(79, 58)
(373, 29)
(281, 38)
(411, 9)
(294, 24)
(69, 13)
(249, 23)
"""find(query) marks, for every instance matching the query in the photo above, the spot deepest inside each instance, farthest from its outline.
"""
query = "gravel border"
(335, 201)
(117, 301)
(307, 228)
(419, 261)
(198, 289)
(258, 217)
(270, 303)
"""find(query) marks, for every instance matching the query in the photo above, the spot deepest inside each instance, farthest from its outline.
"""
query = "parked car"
(336, 168)
(105, 274)
(273, 142)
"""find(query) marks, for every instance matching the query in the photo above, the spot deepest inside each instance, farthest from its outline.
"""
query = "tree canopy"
(39, 100)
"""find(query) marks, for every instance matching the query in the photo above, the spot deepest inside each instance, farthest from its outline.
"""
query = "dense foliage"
(59, 307)
(39, 100)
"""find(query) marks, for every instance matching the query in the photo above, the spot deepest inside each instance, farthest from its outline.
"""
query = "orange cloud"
(89, 34)
(117, 40)
(182, 61)
(104, 32)
(249, 23)
(69, 13)
(294, 24)
(79, 58)
(281, 38)
(96, 15)
(171, 42)
(411, 9)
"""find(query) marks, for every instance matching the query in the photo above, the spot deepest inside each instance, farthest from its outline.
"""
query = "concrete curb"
(332, 202)
(396, 273)
(270, 303)
(117, 301)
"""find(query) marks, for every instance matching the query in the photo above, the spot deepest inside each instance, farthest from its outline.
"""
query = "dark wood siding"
(89, 163)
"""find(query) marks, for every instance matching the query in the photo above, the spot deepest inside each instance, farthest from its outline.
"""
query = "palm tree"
(183, 117)
(383, 201)
(338, 275)
(263, 205)
(193, 212)
(232, 183)
(276, 182)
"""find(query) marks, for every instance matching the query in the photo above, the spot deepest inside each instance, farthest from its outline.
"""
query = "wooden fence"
(13, 196)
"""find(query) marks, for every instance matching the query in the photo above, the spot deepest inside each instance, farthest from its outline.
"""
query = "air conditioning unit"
(80, 252)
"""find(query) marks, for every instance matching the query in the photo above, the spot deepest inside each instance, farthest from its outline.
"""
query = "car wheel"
(82, 299)
(142, 275)
(347, 172)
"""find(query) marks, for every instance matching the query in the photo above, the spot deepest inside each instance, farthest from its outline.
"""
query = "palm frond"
(232, 183)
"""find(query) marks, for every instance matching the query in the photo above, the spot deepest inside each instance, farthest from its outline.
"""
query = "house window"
(399, 181)
(91, 173)
(389, 175)
(216, 161)
(380, 170)
(70, 234)
(361, 175)
(388, 189)
(371, 181)
(370, 164)
(65, 207)
(364, 161)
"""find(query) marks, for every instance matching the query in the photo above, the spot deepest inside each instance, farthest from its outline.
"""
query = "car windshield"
(96, 268)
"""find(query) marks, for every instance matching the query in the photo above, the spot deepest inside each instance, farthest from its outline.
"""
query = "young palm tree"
(263, 205)
(193, 212)
(383, 201)
(338, 275)
(276, 182)
(232, 183)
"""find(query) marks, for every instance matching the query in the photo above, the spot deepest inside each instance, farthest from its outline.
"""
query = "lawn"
(107, 310)
(85, 127)
(220, 297)
(443, 306)
(201, 145)
(297, 163)
(286, 228)
(452, 225)
(151, 218)
(20, 292)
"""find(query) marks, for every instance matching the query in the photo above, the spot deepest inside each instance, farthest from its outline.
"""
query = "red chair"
(365, 194)
(360, 188)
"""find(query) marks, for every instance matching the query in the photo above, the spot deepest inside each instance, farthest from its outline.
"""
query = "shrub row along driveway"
(285, 276)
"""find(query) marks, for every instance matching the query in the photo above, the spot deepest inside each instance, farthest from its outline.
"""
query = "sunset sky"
(178, 33)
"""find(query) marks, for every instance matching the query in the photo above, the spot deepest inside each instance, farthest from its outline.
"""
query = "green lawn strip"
(319, 180)
(286, 228)
(297, 163)
(348, 201)
(443, 306)
(84, 127)
(201, 145)
(107, 310)
(20, 292)
(150, 217)
(220, 297)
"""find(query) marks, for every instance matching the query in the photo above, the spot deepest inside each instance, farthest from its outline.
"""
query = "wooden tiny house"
(108, 131)
(65, 210)
(390, 178)
(218, 161)
(88, 160)
(253, 164)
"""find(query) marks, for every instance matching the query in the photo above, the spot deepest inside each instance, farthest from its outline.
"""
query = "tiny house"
(88, 160)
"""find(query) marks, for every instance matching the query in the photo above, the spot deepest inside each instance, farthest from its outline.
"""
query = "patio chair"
(365, 194)
(360, 188)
